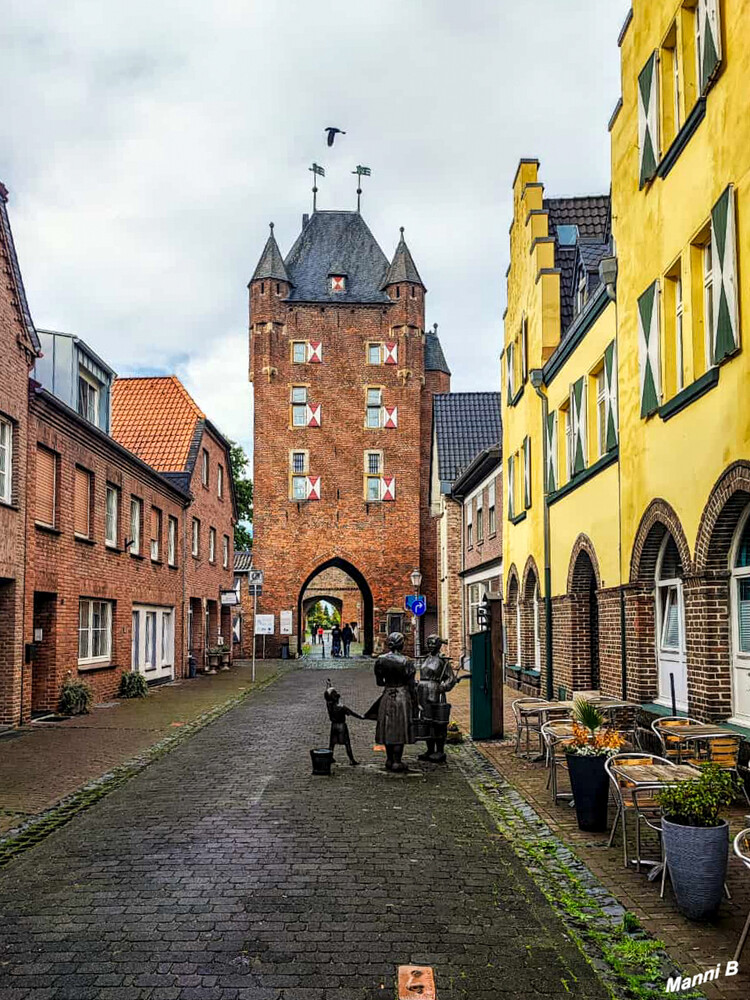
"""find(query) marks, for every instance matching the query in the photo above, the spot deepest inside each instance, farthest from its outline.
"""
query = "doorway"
(338, 582)
(670, 627)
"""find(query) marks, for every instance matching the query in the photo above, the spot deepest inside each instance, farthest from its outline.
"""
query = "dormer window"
(567, 235)
(581, 290)
(88, 397)
(338, 283)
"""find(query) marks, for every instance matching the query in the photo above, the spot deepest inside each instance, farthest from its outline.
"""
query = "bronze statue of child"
(337, 713)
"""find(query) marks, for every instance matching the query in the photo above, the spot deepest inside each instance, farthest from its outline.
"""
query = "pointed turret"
(271, 264)
(402, 269)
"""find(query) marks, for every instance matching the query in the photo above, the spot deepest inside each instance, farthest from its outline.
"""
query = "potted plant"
(696, 840)
(214, 657)
(224, 656)
(586, 754)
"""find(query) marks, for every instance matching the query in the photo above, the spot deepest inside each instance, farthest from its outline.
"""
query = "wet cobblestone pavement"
(225, 870)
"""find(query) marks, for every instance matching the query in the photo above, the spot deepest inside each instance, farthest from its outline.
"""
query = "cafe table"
(694, 731)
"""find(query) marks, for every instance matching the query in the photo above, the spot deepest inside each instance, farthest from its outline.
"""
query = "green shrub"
(698, 803)
(306, 649)
(133, 685)
(76, 698)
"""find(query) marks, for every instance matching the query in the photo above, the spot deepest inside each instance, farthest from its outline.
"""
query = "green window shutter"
(648, 120)
(511, 489)
(509, 371)
(649, 352)
(551, 452)
(709, 35)
(725, 336)
(578, 400)
(610, 399)
(527, 472)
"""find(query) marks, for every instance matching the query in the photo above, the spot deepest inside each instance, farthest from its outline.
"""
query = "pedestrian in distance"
(346, 637)
(336, 640)
(320, 634)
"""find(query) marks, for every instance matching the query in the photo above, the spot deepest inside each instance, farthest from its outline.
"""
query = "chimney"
(305, 220)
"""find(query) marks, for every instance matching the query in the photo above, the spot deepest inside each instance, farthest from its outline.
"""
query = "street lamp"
(416, 582)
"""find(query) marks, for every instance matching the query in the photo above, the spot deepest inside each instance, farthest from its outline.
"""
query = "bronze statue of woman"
(397, 705)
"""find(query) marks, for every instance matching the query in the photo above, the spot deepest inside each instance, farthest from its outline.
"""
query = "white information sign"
(265, 624)
(285, 622)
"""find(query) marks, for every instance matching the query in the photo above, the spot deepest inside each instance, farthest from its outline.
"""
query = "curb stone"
(38, 827)
(630, 962)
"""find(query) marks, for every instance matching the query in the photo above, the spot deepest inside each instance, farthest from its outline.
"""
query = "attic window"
(338, 283)
(567, 236)
(581, 290)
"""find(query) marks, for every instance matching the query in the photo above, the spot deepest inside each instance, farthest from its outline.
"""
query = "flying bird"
(332, 133)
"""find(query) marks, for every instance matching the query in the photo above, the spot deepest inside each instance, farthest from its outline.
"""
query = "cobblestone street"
(226, 870)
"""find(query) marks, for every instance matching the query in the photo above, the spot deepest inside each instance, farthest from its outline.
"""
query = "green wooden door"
(481, 686)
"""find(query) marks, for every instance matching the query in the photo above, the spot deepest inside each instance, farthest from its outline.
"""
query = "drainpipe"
(537, 380)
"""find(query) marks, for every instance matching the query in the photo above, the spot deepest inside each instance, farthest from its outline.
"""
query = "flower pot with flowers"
(586, 753)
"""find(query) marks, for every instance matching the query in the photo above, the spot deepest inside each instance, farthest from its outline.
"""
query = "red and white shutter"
(388, 488)
(313, 415)
(314, 351)
(390, 416)
(313, 487)
(391, 354)
(337, 283)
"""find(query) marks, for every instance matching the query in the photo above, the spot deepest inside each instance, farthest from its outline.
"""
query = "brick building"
(344, 374)
(465, 443)
(157, 419)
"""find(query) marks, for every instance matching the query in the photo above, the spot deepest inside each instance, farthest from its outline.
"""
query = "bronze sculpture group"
(408, 709)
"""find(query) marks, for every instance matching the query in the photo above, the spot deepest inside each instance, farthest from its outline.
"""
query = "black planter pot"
(697, 861)
(321, 761)
(590, 786)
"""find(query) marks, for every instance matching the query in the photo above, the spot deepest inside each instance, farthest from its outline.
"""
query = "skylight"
(567, 236)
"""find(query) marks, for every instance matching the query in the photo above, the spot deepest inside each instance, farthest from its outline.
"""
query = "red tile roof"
(156, 419)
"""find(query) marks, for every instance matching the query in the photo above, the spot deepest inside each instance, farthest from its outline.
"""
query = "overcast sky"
(147, 145)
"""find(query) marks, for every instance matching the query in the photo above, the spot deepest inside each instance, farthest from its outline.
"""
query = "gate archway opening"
(337, 582)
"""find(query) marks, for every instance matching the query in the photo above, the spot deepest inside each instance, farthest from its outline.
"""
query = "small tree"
(243, 491)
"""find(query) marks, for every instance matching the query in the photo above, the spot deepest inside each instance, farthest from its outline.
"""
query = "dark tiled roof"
(8, 246)
(434, 359)
(565, 259)
(402, 266)
(591, 254)
(336, 243)
(243, 560)
(465, 424)
(271, 264)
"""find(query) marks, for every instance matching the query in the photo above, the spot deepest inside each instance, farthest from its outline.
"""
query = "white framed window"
(94, 630)
(519, 655)
(708, 301)
(195, 546)
(6, 460)
(537, 634)
(167, 637)
(676, 88)
(299, 462)
(581, 290)
(480, 521)
(299, 406)
(136, 517)
(740, 568)
(110, 520)
(299, 487)
(212, 545)
(678, 328)
(374, 416)
(469, 525)
(299, 352)
(511, 369)
(88, 397)
(601, 412)
(374, 461)
(476, 592)
(152, 645)
(225, 551)
(172, 541)
(373, 473)
(374, 354)
(220, 481)
(570, 442)
(491, 516)
(204, 467)
(155, 534)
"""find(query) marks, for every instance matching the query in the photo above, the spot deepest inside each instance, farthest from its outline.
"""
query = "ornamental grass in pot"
(586, 753)
(696, 839)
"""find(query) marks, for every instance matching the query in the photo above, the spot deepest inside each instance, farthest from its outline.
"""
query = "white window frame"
(373, 408)
(709, 303)
(295, 471)
(537, 632)
(6, 458)
(476, 593)
(298, 401)
(739, 574)
(225, 551)
(373, 347)
(299, 487)
(155, 543)
(480, 521)
(519, 655)
(171, 541)
(105, 610)
(511, 370)
(136, 521)
(676, 84)
(152, 640)
(581, 290)
(295, 345)
(110, 516)
(220, 481)
(570, 444)
(212, 545)
(601, 412)
(204, 467)
(93, 389)
(469, 524)
(679, 318)
(195, 537)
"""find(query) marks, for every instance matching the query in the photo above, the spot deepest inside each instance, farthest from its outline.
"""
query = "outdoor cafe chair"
(623, 792)
(556, 737)
(527, 722)
(624, 720)
(647, 810)
(742, 850)
(671, 744)
(724, 751)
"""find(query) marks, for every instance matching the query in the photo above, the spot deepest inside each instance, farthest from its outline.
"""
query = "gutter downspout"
(537, 380)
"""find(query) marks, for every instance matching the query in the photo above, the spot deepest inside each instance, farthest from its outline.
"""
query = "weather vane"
(360, 172)
(317, 171)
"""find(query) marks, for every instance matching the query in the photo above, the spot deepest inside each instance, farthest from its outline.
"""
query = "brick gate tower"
(344, 374)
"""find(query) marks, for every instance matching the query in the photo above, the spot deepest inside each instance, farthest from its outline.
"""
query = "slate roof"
(402, 266)
(434, 359)
(336, 243)
(243, 560)
(465, 423)
(8, 247)
(157, 419)
(592, 215)
(271, 264)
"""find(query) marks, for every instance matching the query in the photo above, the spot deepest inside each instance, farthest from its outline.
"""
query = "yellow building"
(646, 387)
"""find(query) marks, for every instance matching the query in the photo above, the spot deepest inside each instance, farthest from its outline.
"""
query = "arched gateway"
(344, 376)
(364, 624)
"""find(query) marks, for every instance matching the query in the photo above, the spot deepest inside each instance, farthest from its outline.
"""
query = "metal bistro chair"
(671, 745)
(556, 738)
(624, 720)
(724, 751)
(623, 792)
(528, 722)
(647, 809)
(742, 850)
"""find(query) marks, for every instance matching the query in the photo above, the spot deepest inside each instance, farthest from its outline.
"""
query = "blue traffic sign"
(416, 603)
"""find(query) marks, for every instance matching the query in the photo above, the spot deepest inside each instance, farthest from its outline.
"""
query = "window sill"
(691, 392)
(113, 549)
(583, 477)
(682, 138)
(518, 517)
(9, 505)
(514, 400)
(157, 562)
(84, 539)
(136, 555)
(95, 665)
(50, 529)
